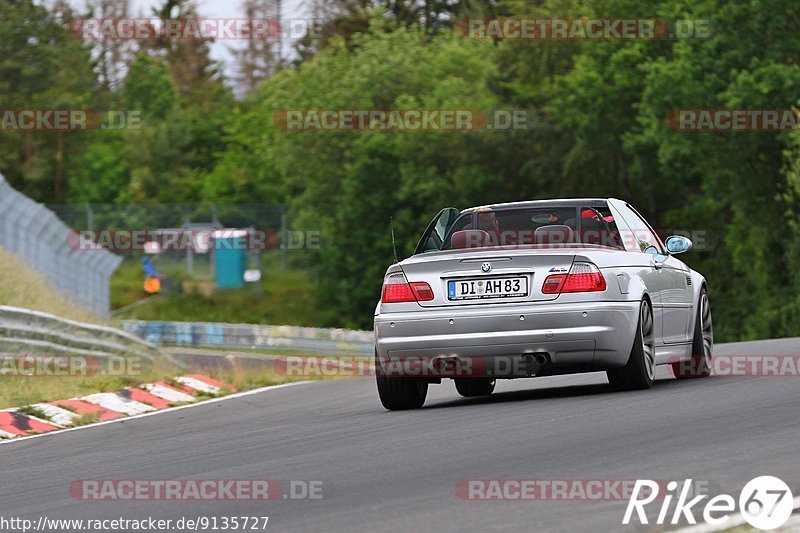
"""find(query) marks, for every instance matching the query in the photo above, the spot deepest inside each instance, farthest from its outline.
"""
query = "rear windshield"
(534, 226)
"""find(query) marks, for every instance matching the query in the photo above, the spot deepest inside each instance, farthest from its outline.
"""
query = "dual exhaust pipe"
(534, 361)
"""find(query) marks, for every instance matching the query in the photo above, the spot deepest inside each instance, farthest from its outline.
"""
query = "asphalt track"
(398, 471)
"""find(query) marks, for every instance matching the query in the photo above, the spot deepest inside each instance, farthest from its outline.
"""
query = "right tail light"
(582, 277)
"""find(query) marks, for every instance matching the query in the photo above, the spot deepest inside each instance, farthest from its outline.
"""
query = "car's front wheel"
(640, 371)
(398, 393)
(469, 387)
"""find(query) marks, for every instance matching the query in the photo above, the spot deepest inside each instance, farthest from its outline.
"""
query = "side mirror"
(677, 244)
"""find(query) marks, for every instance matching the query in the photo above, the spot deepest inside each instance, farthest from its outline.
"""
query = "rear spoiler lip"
(546, 248)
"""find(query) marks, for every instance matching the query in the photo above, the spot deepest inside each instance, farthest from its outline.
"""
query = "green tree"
(42, 66)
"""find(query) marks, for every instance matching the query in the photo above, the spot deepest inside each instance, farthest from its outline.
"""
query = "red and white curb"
(201, 383)
(162, 390)
(58, 416)
(107, 406)
(20, 424)
(83, 408)
(119, 417)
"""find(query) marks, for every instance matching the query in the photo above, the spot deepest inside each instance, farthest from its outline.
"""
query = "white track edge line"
(153, 413)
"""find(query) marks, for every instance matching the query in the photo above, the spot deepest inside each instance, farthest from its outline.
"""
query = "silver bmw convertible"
(539, 288)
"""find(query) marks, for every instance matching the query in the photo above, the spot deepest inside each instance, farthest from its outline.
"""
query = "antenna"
(394, 245)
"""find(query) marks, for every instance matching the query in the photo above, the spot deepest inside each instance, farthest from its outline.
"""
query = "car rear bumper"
(583, 336)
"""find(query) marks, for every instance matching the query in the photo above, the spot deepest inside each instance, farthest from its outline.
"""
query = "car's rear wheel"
(702, 344)
(639, 372)
(399, 393)
(469, 387)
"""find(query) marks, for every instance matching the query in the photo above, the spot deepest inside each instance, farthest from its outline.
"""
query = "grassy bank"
(21, 286)
(18, 390)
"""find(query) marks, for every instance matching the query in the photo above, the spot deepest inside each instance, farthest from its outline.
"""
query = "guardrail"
(27, 331)
(252, 336)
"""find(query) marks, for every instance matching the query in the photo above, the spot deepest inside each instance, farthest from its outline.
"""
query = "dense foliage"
(600, 131)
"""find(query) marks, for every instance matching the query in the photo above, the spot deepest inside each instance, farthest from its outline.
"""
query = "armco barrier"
(252, 336)
(26, 331)
(40, 238)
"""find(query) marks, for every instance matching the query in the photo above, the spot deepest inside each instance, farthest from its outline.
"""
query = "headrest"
(470, 238)
(553, 234)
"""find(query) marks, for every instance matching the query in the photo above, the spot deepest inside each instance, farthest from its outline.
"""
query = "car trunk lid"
(482, 277)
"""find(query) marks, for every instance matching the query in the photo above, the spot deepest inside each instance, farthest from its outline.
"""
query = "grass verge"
(17, 391)
(21, 286)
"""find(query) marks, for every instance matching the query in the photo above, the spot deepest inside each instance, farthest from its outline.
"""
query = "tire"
(400, 393)
(639, 372)
(470, 387)
(702, 343)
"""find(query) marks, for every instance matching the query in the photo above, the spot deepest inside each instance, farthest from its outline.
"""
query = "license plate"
(476, 289)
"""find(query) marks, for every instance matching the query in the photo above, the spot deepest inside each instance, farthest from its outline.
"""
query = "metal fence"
(253, 336)
(42, 240)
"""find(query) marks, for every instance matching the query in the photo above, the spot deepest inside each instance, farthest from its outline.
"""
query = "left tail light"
(397, 289)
